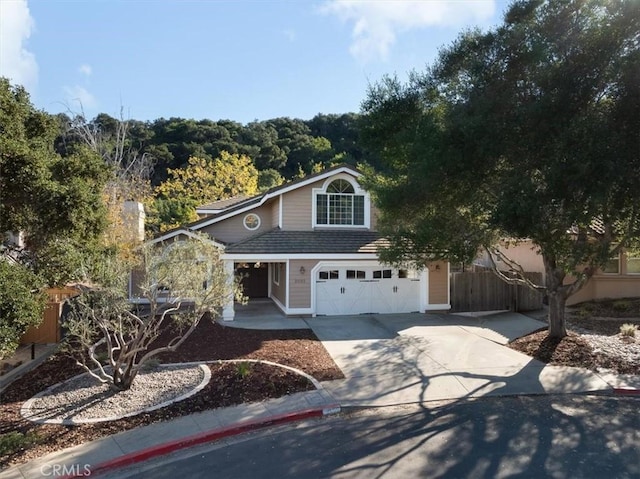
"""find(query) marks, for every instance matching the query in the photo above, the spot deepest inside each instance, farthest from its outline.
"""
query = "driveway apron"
(408, 358)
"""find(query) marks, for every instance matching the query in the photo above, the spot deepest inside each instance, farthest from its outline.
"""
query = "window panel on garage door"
(356, 274)
(367, 290)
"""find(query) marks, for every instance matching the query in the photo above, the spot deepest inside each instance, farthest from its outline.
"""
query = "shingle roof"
(222, 204)
(328, 242)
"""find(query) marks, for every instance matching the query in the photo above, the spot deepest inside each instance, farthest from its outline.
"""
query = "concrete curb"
(624, 391)
(205, 437)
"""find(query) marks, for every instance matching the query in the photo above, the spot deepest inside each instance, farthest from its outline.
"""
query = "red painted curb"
(202, 438)
(627, 391)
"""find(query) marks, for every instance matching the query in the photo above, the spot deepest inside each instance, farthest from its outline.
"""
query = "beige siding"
(232, 229)
(526, 255)
(600, 286)
(275, 213)
(608, 286)
(300, 283)
(438, 283)
(297, 208)
(279, 290)
(297, 215)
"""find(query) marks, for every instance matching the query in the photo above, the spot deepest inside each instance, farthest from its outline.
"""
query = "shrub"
(589, 307)
(151, 365)
(21, 304)
(583, 313)
(621, 306)
(14, 441)
(628, 330)
(243, 369)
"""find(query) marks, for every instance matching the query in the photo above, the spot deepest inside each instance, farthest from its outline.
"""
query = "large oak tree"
(527, 131)
(54, 202)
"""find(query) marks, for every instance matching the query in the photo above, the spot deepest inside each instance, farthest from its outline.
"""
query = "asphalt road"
(516, 437)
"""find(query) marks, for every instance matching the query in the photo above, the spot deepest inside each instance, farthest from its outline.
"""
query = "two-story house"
(311, 247)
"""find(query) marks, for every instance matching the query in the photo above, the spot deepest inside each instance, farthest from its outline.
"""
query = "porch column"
(228, 313)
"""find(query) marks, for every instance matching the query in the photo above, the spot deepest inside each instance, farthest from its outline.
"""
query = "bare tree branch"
(514, 267)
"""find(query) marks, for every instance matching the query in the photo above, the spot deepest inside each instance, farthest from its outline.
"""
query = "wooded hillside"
(287, 145)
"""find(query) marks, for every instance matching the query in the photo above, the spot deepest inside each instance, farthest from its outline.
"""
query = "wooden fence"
(49, 330)
(485, 291)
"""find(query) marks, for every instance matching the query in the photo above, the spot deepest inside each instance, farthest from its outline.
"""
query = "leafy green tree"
(527, 131)
(343, 133)
(268, 179)
(263, 138)
(45, 196)
(163, 214)
(301, 148)
(21, 304)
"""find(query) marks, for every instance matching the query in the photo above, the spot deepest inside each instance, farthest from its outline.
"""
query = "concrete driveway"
(408, 358)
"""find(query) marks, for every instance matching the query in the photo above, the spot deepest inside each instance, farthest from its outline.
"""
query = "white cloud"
(85, 69)
(79, 97)
(16, 62)
(376, 24)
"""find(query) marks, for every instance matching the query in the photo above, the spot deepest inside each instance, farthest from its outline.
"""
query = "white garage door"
(361, 290)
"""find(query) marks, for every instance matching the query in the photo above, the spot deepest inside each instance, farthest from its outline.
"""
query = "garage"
(366, 289)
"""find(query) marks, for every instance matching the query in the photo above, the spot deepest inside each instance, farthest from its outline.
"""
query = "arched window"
(340, 186)
(340, 205)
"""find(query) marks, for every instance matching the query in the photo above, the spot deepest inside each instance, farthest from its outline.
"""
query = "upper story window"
(340, 205)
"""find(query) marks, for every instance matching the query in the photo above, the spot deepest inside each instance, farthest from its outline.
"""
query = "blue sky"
(238, 60)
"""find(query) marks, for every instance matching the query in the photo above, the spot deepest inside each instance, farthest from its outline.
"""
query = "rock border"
(25, 409)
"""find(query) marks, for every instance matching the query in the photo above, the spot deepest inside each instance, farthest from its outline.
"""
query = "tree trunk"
(123, 381)
(557, 293)
(557, 324)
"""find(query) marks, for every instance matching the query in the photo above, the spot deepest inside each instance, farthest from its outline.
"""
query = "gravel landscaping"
(230, 384)
(594, 341)
(83, 399)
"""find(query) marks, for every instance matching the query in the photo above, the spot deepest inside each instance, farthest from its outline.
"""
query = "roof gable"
(251, 203)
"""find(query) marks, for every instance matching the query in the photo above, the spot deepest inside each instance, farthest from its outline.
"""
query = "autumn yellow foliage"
(204, 181)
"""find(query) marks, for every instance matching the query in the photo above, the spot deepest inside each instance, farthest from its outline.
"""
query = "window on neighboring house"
(633, 262)
(276, 273)
(612, 266)
(340, 205)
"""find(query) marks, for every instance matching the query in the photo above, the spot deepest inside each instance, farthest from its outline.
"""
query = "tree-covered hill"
(289, 146)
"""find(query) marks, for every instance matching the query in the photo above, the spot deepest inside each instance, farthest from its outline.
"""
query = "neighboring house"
(311, 247)
(620, 278)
